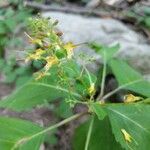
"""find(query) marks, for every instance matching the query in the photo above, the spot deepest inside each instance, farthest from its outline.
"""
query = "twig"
(103, 78)
(24, 140)
(73, 9)
(120, 88)
(147, 32)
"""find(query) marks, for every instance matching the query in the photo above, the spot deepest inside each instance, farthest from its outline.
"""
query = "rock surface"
(80, 29)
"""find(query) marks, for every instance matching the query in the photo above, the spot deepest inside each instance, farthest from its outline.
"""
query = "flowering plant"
(109, 125)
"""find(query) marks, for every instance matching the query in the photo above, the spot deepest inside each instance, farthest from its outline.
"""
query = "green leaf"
(106, 52)
(48, 88)
(146, 10)
(34, 93)
(10, 24)
(21, 80)
(101, 136)
(10, 78)
(51, 138)
(2, 28)
(12, 130)
(63, 110)
(146, 101)
(147, 21)
(2, 64)
(129, 79)
(98, 109)
(135, 120)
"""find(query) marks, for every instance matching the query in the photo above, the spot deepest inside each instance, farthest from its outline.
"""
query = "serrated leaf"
(129, 79)
(101, 136)
(35, 93)
(134, 119)
(12, 130)
(48, 88)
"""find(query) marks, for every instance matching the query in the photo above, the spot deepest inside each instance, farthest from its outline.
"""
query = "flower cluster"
(50, 48)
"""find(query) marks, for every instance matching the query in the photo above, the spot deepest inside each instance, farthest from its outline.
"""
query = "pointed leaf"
(51, 87)
(104, 51)
(129, 78)
(101, 137)
(12, 130)
(35, 93)
(130, 125)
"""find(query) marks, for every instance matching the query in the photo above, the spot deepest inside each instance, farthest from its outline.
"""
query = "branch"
(73, 9)
(103, 78)
(120, 88)
(24, 140)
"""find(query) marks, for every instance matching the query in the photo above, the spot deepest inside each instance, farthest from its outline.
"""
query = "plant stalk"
(103, 79)
(89, 134)
(120, 88)
(24, 140)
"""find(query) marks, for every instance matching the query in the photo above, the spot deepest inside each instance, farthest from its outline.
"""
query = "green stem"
(103, 78)
(120, 88)
(87, 72)
(24, 140)
(89, 134)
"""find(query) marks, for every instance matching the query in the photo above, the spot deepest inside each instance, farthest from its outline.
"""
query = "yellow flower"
(131, 98)
(36, 41)
(51, 60)
(126, 135)
(69, 49)
(35, 56)
(40, 51)
(91, 89)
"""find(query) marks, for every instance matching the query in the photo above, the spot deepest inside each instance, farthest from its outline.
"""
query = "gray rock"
(80, 29)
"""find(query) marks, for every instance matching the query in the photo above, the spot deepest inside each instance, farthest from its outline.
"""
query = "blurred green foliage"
(141, 15)
(11, 18)
(14, 73)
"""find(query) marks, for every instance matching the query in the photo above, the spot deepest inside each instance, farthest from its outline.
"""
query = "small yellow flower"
(32, 57)
(126, 135)
(36, 41)
(131, 98)
(40, 51)
(51, 60)
(91, 89)
(35, 56)
(69, 49)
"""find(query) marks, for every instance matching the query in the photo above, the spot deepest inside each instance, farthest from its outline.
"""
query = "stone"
(80, 29)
